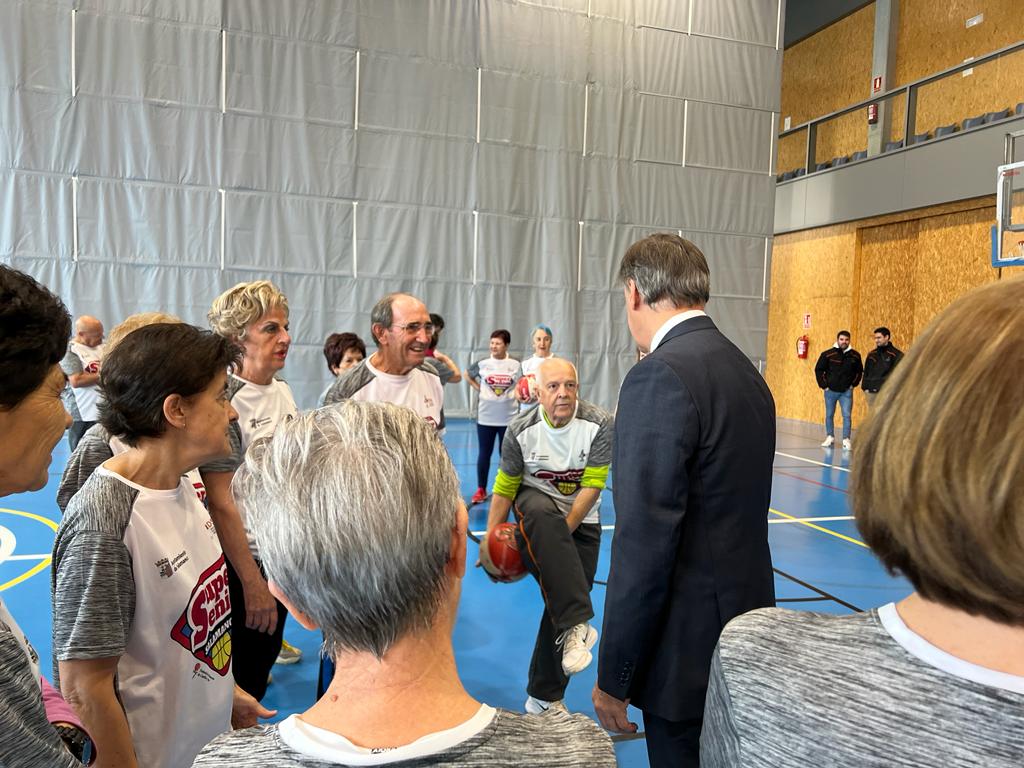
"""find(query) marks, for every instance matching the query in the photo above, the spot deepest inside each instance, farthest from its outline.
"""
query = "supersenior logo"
(499, 383)
(566, 483)
(204, 628)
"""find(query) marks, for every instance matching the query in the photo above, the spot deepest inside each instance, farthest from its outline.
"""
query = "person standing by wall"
(495, 379)
(838, 372)
(879, 363)
(82, 366)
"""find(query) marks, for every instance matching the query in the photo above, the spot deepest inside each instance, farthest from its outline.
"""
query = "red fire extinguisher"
(803, 344)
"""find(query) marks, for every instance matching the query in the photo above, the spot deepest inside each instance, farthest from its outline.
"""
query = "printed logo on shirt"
(534, 456)
(566, 483)
(200, 492)
(428, 401)
(204, 628)
(500, 383)
(169, 566)
(202, 674)
(257, 423)
(93, 367)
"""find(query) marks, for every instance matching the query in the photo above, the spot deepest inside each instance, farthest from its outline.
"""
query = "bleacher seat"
(921, 137)
(992, 117)
(946, 130)
(891, 145)
(823, 166)
(837, 161)
(800, 172)
(973, 122)
(862, 155)
(1019, 109)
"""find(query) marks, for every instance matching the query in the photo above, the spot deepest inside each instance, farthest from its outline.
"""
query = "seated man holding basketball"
(554, 464)
(357, 512)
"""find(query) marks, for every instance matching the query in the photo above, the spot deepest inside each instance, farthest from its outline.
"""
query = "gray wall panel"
(202, 12)
(753, 21)
(659, 129)
(528, 251)
(35, 216)
(286, 78)
(733, 73)
(432, 29)
(321, 21)
(507, 98)
(34, 50)
(529, 182)
(534, 40)
(413, 241)
(132, 58)
(416, 170)
(729, 137)
(34, 131)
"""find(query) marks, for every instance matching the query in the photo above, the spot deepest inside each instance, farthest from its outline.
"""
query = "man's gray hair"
(383, 314)
(667, 267)
(353, 508)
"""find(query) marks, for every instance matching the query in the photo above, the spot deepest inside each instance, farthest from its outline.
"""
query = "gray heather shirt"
(556, 739)
(793, 688)
(93, 449)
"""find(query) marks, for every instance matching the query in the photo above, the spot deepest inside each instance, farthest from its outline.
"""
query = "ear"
(633, 298)
(377, 329)
(457, 546)
(298, 615)
(175, 409)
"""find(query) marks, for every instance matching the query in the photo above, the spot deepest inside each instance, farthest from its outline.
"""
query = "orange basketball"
(499, 554)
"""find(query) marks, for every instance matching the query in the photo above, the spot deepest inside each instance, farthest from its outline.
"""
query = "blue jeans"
(845, 400)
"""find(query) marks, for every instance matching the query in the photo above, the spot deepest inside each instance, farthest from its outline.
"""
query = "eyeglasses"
(414, 328)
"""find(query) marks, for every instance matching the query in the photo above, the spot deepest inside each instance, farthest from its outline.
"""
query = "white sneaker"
(576, 645)
(847, 445)
(289, 654)
(827, 442)
(539, 706)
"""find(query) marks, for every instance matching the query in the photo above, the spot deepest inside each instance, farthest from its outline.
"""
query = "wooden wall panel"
(791, 151)
(899, 270)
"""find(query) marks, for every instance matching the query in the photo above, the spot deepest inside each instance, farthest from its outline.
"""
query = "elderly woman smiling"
(141, 609)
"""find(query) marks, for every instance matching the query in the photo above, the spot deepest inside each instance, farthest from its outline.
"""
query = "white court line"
(478, 534)
(25, 557)
(812, 461)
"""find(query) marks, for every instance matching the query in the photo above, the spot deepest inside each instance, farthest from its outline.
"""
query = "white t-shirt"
(497, 404)
(139, 574)
(88, 398)
(420, 390)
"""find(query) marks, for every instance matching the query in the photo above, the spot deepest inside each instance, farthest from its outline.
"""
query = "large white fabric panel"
(33, 131)
(733, 73)
(127, 57)
(286, 78)
(35, 216)
(736, 263)
(413, 241)
(729, 137)
(534, 40)
(529, 182)
(555, 109)
(432, 29)
(660, 66)
(142, 140)
(660, 126)
(418, 170)
(288, 156)
(135, 223)
(612, 121)
(753, 21)
(290, 234)
(745, 322)
(322, 21)
(421, 96)
(35, 46)
(202, 12)
(528, 251)
(580, 6)
(666, 14)
(519, 308)
(611, 52)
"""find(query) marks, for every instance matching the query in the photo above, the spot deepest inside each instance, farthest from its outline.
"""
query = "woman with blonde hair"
(254, 316)
(938, 494)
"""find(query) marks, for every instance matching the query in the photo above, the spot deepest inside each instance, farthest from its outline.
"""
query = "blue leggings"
(485, 435)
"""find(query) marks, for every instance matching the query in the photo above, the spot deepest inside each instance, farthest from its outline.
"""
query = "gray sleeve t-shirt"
(794, 688)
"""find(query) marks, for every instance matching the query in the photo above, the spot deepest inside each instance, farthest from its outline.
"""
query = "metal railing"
(908, 91)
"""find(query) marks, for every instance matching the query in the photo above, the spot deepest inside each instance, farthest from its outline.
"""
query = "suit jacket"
(693, 452)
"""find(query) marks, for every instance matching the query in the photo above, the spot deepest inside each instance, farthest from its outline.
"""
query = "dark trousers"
(671, 743)
(252, 652)
(75, 432)
(564, 565)
(485, 435)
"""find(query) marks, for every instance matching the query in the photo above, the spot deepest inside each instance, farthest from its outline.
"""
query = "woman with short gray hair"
(357, 513)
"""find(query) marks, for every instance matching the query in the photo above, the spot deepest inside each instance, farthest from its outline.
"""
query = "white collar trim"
(672, 322)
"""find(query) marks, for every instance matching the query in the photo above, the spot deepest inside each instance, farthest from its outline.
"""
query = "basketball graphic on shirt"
(204, 627)
(499, 383)
(566, 483)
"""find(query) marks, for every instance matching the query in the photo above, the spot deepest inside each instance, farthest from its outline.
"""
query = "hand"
(245, 710)
(612, 712)
(483, 555)
(260, 607)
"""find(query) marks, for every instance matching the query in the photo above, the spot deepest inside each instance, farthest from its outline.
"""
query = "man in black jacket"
(879, 363)
(838, 371)
(693, 452)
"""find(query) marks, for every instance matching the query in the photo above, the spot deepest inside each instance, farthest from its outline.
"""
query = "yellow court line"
(819, 528)
(40, 566)
(31, 516)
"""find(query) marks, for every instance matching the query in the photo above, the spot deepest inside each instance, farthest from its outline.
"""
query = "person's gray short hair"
(667, 267)
(383, 314)
(353, 508)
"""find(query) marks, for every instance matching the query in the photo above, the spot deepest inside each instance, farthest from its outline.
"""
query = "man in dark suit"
(694, 445)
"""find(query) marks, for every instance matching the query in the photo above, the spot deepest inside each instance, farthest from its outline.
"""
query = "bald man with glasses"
(395, 373)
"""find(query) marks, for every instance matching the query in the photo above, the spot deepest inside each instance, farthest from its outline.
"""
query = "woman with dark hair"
(34, 328)
(342, 351)
(141, 609)
(495, 379)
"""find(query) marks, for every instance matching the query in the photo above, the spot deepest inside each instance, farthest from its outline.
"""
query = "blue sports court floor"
(820, 562)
